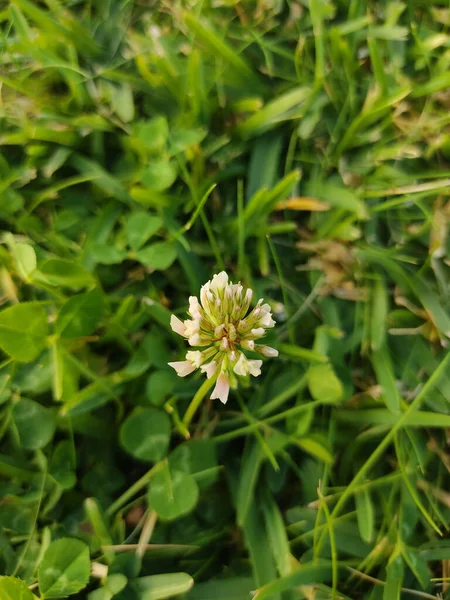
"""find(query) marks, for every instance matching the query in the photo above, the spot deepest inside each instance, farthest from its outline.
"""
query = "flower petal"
(191, 327)
(182, 367)
(266, 320)
(194, 307)
(222, 388)
(267, 351)
(254, 367)
(219, 281)
(258, 332)
(241, 367)
(195, 357)
(177, 325)
(209, 369)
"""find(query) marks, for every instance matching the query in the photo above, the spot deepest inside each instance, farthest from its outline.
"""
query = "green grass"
(302, 146)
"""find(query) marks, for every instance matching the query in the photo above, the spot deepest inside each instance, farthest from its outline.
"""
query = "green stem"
(225, 437)
(134, 489)
(197, 400)
(386, 442)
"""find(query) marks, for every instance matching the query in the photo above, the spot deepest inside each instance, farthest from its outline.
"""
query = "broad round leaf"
(62, 465)
(66, 273)
(80, 315)
(146, 434)
(172, 493)
(14, 589)
(35, 424)
(197, 457)
(159, 385)
(140, 227)
(182, 139)
(23, 331)
(65, 568)
(151, 134)
(157, 256)
(159, 175)
(158, 587)
(106, 254)
(15, 517)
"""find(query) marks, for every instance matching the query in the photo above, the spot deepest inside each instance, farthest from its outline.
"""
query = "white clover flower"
(223, 326)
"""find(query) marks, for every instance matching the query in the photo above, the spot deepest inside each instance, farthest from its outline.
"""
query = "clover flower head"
(223, 325)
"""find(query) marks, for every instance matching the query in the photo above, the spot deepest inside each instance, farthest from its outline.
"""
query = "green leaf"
(251, 463)
(58, 371)
(158, 587)
(23, 331)
(220, 49)
(301, 353)
(261, 557)
(106, 254)
(306, 574)
(394, 578)
(276, 533)
(284, 107)
(324, 385)
(431, 303)
(122, 103)
(384, 370)
(80, 315)
(62, 464)
(65, 568)
(381, 416)
(337, 195)
(145, 434)
(140, 226)
(159, 175)
(365, 515)
(316, 448)
(417, 565)
(378, 319)
(172, 493)
(151, 135)
(195, 457)
(157, 256)
(35, 424)
(25, 258)
(66, 273)
(99, 526)
(113, 585)
(182, 139)
(159, 386)
(109, 184)
(14, 589)
(237, 588)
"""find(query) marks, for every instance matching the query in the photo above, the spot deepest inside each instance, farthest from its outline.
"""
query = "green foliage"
(23, 331)
(172, 493)
(146, 434)
(158, 587)
(35, 424)
(14, 589)
(304, 147)
(65, 568)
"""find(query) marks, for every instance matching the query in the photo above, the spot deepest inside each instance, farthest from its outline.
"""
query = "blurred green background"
(304, 147)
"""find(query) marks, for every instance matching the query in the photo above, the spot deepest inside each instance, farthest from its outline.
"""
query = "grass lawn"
(303, 148)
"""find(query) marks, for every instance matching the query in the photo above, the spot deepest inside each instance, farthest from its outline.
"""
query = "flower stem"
(134, 489)
(197, 400)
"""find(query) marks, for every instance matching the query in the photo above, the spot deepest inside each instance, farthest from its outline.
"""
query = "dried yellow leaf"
(302, 203)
